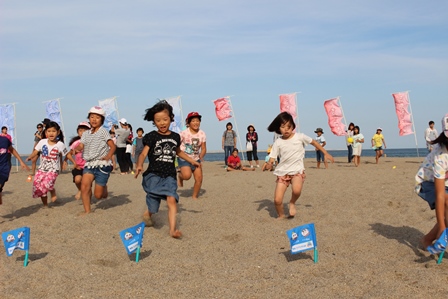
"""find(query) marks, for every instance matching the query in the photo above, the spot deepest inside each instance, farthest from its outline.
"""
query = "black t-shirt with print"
(162, 153)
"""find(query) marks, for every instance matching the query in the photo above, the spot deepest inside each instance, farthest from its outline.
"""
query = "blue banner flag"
(7, 119)
(302, 238)
(16, 239)
(132, 237)
(176, 125)
(53, 110)
(110, 107)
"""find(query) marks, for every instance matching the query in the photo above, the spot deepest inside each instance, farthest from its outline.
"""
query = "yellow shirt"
(378, 139)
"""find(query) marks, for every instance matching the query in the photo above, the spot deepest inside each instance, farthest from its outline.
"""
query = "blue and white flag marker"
(439, 246)
(132, 239)
(303, 238)
(18, 238)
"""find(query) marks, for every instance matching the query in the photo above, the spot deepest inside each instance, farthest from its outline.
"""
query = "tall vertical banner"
(223, 108)
(176, 125)
(335, 116)
(18, 238)
(402, 105)
(110, 108)
(53, 110)
(7, 119)
(288, 103)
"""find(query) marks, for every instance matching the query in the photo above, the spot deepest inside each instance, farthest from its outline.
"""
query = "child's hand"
(197, 164)
(329, 157)
(138, 170)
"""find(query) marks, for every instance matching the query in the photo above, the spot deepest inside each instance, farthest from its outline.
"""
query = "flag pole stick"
(297, 113)
(137, 256)
(413, 125)
(60, 111)
(342, 110)
(25, 262)
(15, 134)
(236, 127)
(181, 111)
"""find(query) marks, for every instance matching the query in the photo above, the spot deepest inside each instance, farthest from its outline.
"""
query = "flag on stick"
(288, 104)
(132, 239)
(176, 125)
(18, 238)
(335, 116)
(223, 108)
(303, 238)
(110, 108)
(53, 109)
(402, 105)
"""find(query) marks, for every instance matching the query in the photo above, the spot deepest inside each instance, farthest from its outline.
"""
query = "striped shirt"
(95, 148)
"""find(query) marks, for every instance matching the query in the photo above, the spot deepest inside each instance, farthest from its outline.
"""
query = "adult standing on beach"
(252, 137)
(350, 129)
(377, 143)
(430, 135)
(228, 141)
(122, 135)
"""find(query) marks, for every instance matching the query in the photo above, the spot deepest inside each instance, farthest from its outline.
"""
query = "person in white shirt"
(430, 135)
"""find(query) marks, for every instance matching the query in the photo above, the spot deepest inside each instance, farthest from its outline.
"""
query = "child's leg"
(325, 163)
(100, 192)
(318, 164)
(44, 200)
(1, 202)
(147, 218)
(172, 212)
(296, 186)
(280, 189)
(197, 174)
(184, 175)
(86, 190)
(53, 195)
(78, 180)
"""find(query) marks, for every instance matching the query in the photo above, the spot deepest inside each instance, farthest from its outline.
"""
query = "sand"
(368, 224)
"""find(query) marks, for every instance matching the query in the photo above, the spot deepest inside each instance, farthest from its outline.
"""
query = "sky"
(253, 51)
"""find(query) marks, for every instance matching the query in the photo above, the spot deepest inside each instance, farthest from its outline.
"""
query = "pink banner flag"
(335, 116)
(401, 100)
(288, 104)
(222, 108)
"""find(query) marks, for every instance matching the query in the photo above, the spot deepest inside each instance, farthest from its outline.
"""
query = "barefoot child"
(159, 180)
(193, 143)
(290, 148)
(432, 183)
(98, 149)
(80, 162)
(5, 165)
(234, 162)
(51, 149)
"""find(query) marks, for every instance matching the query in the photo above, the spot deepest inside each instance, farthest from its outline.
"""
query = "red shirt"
(233, 161)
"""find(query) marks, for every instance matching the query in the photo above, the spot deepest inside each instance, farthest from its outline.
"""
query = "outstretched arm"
(327, 156)
(17, 156)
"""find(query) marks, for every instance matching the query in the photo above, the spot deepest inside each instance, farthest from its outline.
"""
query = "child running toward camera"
(98, 150)
(159, 180)
(51, 149)
(290, 148)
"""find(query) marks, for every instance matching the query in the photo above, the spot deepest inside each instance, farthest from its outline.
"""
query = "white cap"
(84, 124)
(123, 121)
(379, 129)
(445, 124)
(97, 110)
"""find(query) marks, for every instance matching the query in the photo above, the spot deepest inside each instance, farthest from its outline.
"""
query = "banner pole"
(25, 262)
(181, 110)
(137, 255)
(343, 115)
(60, 111)
(236, 127)
(15, 135)
(297, 112)
(413, 125)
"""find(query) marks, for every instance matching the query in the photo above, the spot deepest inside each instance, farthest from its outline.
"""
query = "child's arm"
(187, 158)
(69, 156)
(440, 205)
(203, 151)
(384, 143)
(141, 159)
(111, 152)
(16, 154)
(327, 156)
(33, 154)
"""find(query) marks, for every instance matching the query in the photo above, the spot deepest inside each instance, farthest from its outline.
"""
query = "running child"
(291, 150)
(432, 183)
(378, 143)
(98, 150)
(193, 143)
(234, 162)
(80, 162)
(159, 180)
(5, 165)
(51, 150)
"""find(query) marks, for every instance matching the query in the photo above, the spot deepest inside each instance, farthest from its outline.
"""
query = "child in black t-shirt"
(159, 180)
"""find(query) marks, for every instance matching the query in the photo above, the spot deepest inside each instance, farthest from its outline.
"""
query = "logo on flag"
(16, 239)
(132, 237)
(439, 245)
(302, 238)
(335, 116)
(401, 100)
(53, 110)
(223, 109)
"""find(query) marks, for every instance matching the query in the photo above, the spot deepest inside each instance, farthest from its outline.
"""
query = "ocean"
(393, 153)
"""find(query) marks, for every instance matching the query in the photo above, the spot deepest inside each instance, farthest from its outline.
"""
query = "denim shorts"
(320, 156)
(158, 188)
(182, 163)
(101, 174)
(428, 193)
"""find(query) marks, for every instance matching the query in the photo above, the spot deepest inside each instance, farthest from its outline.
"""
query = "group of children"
(92, 150)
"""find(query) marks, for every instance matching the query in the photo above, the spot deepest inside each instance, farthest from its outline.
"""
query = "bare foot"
(176, 234)
(195, 197)
(180, 182)
(279, 217)
(147, 220)
(78, 195)
(292, 210)
(84, 213)
(424, 243)
(54, 198)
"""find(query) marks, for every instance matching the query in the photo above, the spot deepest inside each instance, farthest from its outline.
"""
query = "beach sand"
(368, 224)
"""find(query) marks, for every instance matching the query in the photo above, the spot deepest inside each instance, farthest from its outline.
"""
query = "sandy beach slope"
(368, 222)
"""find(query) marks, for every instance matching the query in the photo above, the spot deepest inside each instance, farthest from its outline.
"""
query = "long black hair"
(442, 140)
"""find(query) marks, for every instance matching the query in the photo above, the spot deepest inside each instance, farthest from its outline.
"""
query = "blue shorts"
(101, 174)
(183, 163)
(320, 156)
(428, 193)
(158, 188)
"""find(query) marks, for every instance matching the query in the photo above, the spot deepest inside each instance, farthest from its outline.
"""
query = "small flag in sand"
(132, 239)
(303, 238)
(18, 238)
